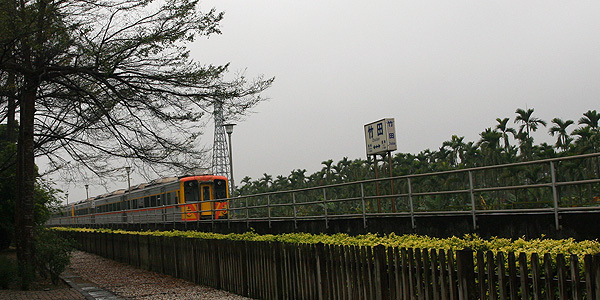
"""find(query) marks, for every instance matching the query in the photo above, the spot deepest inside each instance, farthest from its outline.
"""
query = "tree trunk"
(24, 210)
(12, 106)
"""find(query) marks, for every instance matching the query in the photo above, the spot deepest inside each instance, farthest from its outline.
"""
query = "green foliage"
(474, 242)
(44, 195)
(53, 254)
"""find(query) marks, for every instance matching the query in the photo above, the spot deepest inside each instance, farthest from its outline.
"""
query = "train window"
(191, 191)
(220, 189)
(158, 202)
(147, 202)
(153, 201)
(205, 193)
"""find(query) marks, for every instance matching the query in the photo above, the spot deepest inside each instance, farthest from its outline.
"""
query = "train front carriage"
(200, 197)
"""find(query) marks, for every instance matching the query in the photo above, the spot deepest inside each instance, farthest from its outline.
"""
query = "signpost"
(380, 138)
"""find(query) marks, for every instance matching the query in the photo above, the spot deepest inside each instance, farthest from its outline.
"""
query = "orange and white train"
(172, 199)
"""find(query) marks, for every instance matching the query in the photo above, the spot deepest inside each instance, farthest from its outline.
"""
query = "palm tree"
(266, 182)
(472, 155)
(528, 125)
(247, 187)
(505, 130)
(342, 169)
(326, 171)
(590, 118)
(456, 145)
(543, 151)
(298, 178)
(490, 144)
(584, 140)
(560, 128)
(281, 183)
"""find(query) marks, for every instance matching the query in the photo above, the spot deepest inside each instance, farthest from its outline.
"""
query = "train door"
(162, 200)
(206, 204)
(93, 212)
(124, 208)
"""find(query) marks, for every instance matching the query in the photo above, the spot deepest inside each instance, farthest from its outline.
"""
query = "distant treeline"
(498, 145)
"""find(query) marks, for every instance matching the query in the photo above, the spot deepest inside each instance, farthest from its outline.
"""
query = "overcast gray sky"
(438, 67)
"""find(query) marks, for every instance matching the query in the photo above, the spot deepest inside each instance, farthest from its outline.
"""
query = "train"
(185, 198)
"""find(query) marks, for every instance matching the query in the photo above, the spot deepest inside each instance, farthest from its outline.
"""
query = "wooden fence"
(271, 270)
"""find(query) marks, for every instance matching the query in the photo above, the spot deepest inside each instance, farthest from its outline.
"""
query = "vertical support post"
(269, 209)
(466, 275)
(325, 208)
(554, 196)
(377, 183)
(294, 207)
(412, 208)
(228, 213)
(391, 181)
(247, 215)
(212, 214)
(472, 200)
(362, 199)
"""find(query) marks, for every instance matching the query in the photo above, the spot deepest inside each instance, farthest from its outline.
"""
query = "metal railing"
(545, 186)
(551, 185)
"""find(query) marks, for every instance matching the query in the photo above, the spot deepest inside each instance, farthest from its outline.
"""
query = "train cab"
(201, 195)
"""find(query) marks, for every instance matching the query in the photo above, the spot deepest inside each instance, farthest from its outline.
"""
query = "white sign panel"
(380, 136)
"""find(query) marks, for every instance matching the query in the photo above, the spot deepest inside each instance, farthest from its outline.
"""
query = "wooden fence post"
(245, 277)
(381, 274)
(596, 275)
(321, 282)
(466, 275)
(279, 269)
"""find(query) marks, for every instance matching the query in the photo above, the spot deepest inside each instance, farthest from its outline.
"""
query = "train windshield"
(220, 189)
(192, 193)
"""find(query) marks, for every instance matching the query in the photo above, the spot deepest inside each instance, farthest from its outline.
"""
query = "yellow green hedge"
(540, 245)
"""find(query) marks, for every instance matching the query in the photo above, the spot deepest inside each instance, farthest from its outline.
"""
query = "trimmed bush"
(53, 254)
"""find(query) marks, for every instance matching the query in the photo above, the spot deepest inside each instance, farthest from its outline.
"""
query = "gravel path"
(132, 283)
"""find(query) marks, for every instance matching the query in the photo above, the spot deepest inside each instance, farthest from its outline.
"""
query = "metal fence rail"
(553, 186)
(560, 184)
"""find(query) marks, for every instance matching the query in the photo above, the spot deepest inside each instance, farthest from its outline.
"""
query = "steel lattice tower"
(220, 161)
